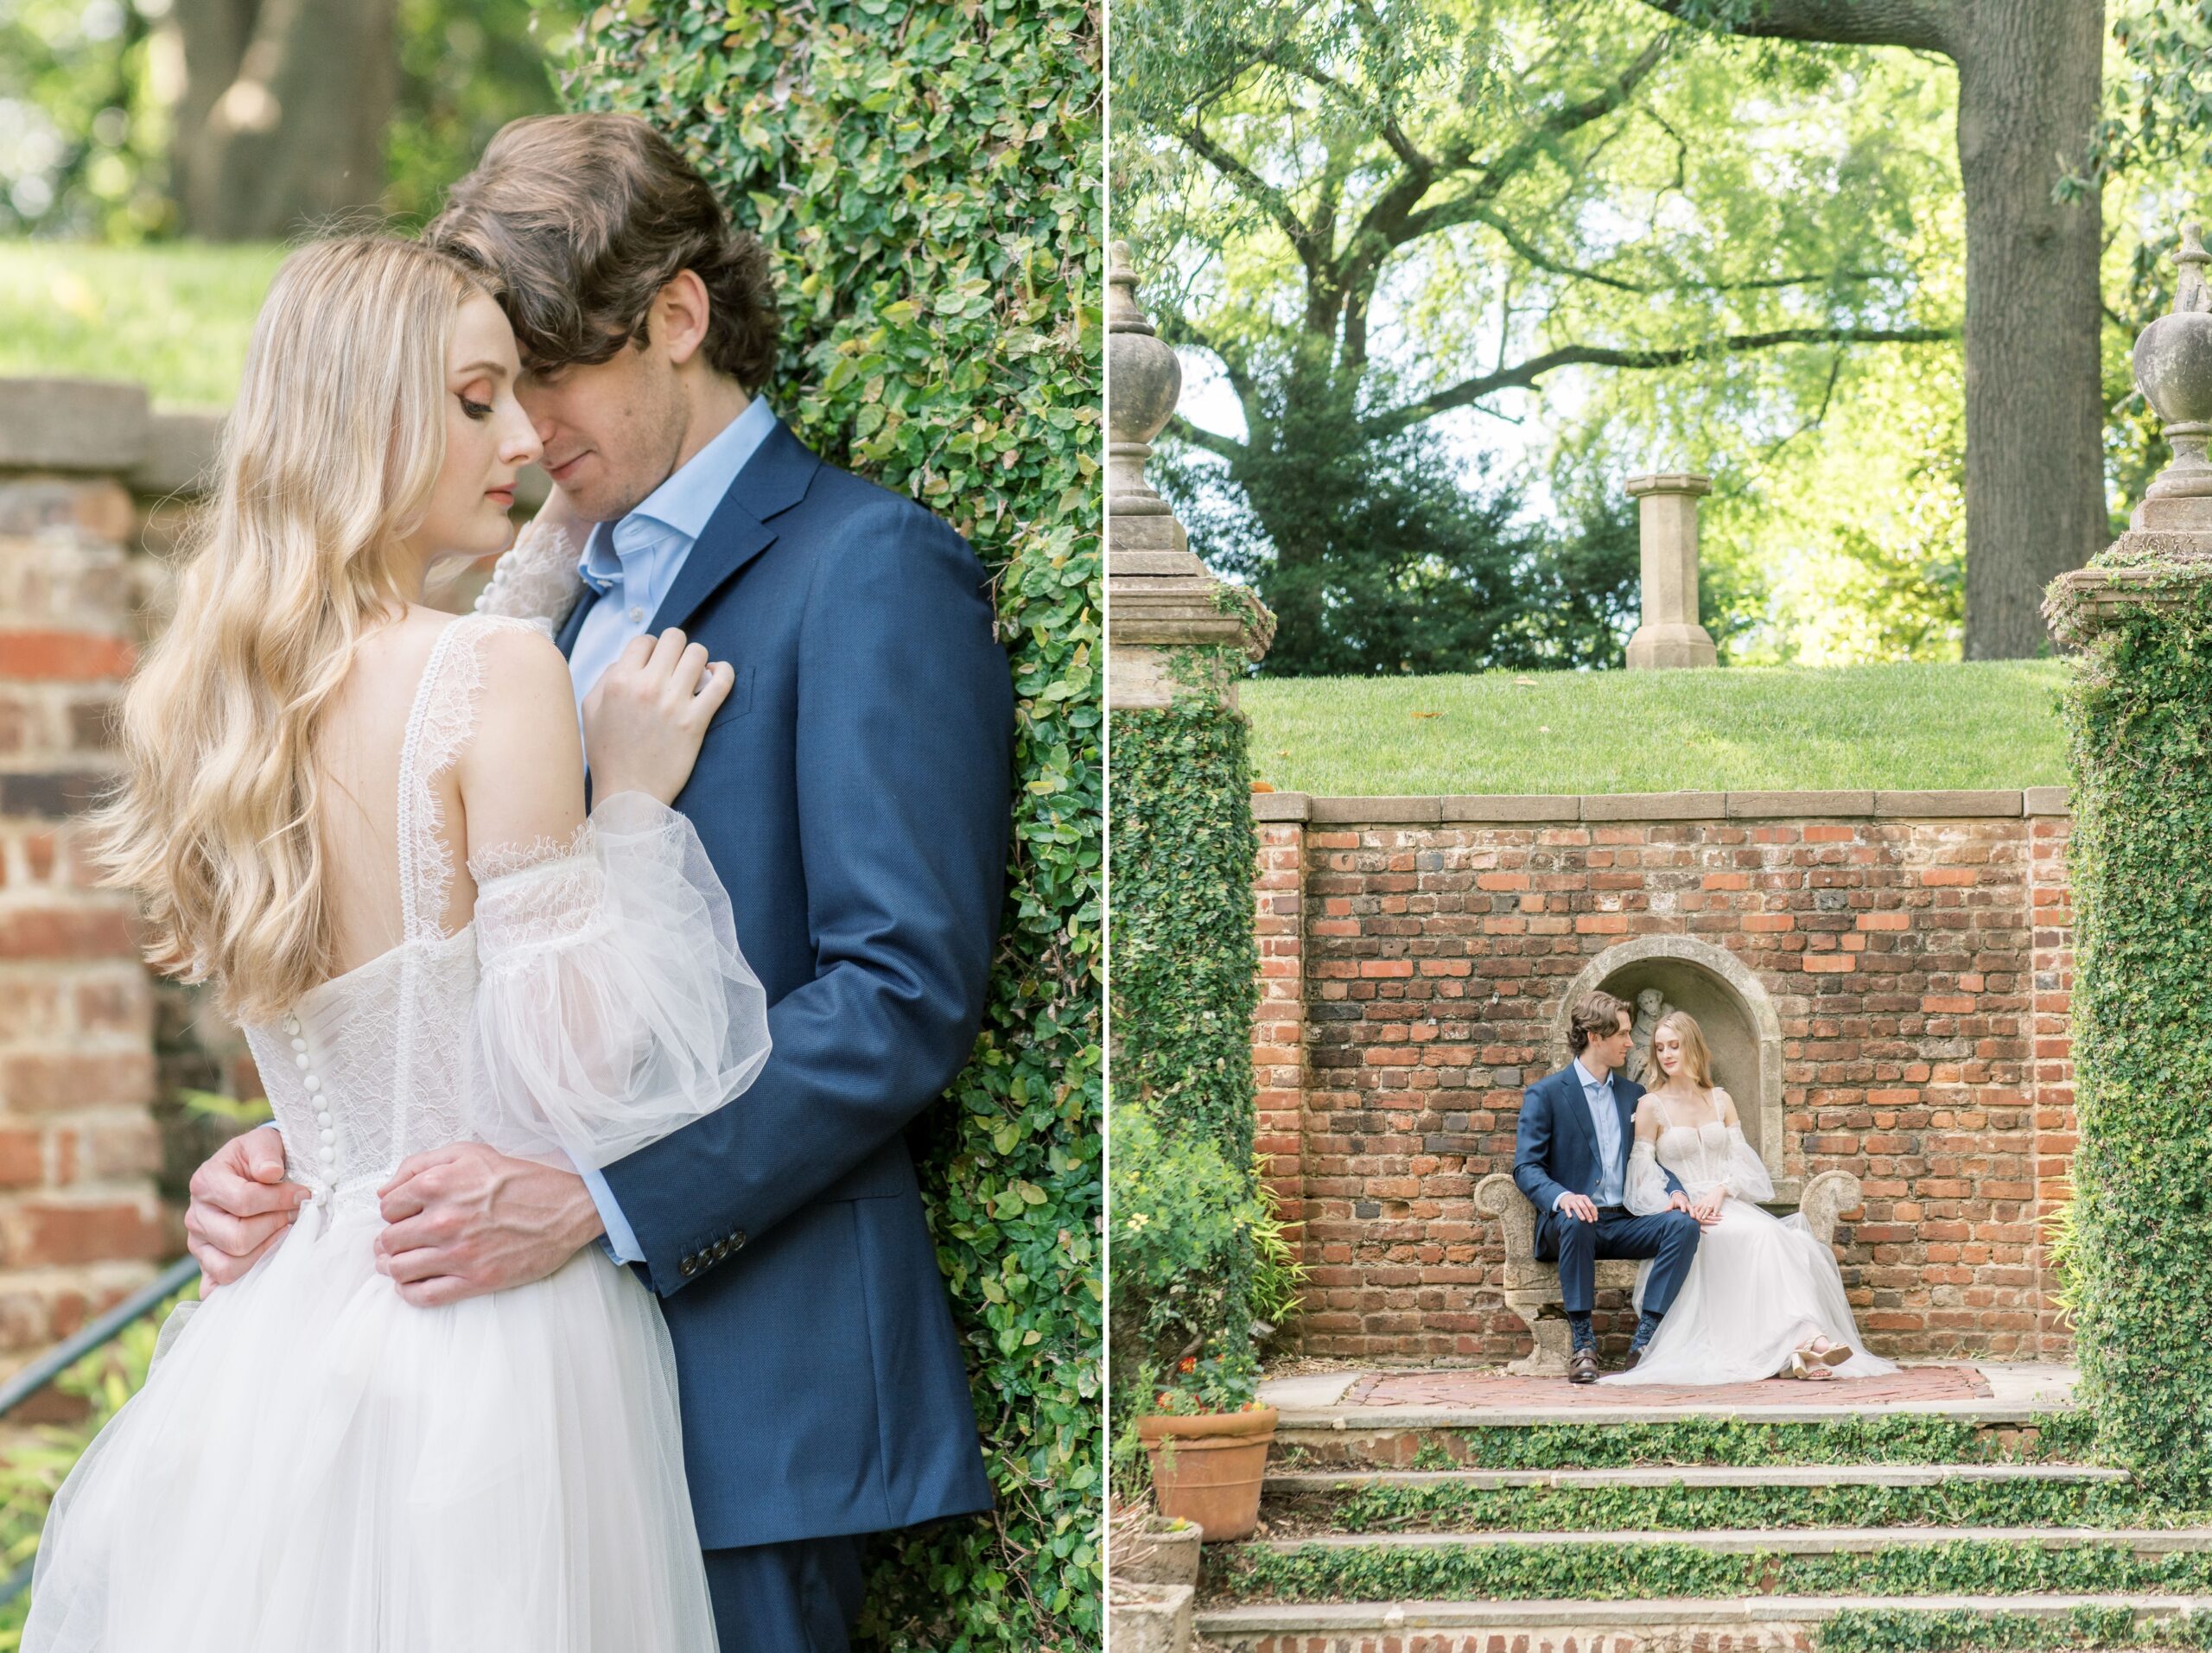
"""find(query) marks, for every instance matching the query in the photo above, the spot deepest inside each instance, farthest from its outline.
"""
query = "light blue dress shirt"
(1606, 1119)
(631, 564)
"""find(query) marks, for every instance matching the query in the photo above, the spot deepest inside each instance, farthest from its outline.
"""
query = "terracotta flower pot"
(1211, 1475)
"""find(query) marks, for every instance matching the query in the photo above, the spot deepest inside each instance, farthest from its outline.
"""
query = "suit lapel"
(1577, 1108)
(575, 623)
(1625, 1104)
(770, 482)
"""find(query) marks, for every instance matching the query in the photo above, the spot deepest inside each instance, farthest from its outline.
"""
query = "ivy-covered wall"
(1186, 1200)
(2139, 717)
(928, 178)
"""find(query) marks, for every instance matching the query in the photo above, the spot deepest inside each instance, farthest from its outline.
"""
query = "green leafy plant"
(1455, 1507)
(1188, 1212)
(1872, 1438)
(926, 181)
(2140, 722)
(1614, 1572)
(1278, 1277)
(1184, 1223)
(1965, 1630)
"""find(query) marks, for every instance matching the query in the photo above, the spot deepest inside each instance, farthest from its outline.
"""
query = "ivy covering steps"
(1885, 1530)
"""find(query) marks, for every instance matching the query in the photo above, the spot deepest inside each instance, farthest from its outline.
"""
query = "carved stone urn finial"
(1146, 382)
(2173, 369)
(2165, 557)
(1160, 598)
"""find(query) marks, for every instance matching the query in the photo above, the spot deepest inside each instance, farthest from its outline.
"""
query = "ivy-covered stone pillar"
(1183, 961)
(2138, 1252)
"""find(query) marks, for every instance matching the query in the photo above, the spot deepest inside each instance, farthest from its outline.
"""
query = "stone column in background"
(1666, 523)
(80, 1222)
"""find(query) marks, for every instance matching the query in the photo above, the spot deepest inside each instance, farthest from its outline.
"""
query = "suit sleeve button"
(736, 1239)
(689, 1266)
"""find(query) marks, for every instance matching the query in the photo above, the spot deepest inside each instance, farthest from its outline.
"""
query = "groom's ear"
(682, 312)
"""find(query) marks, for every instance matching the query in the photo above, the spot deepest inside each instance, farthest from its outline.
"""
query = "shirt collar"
(687, 501)
(1591, 1081)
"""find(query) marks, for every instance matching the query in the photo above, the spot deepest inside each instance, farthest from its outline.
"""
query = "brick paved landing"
(1481, 1390)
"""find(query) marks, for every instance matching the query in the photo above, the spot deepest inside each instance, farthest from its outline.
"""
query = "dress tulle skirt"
(1758, 1288)
(315, 1464)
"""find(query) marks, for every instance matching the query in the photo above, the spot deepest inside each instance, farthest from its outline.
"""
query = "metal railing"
(95, 1334)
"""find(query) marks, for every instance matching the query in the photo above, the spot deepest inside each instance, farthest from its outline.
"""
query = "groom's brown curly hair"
(1598, 1016)
(583, 218)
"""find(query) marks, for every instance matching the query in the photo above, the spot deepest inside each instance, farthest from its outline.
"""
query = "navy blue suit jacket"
(854, 794)
(1555, 1149)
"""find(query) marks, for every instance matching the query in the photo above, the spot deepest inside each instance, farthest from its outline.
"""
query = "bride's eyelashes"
(478, 410)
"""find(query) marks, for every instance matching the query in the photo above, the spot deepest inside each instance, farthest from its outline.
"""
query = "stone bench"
(1532, 1288)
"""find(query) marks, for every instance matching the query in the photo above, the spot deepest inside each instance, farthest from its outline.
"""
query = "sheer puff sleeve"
(1745, 1174)
(613, 1005)
(1646, 1185)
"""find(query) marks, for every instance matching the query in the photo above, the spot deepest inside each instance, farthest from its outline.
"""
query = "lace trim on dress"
(505, 860)
(538, 579)
(444, 714)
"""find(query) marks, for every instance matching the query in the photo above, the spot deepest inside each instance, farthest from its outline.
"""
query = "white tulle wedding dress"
(1759, 1287)
(313, 1464)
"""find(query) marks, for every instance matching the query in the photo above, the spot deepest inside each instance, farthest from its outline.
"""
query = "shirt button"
(637, 616)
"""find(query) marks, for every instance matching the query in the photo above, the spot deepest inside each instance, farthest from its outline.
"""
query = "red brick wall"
(79, 1221)
(1914, 948)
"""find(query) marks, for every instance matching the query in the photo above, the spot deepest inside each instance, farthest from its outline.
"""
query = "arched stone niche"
(1730, 1005)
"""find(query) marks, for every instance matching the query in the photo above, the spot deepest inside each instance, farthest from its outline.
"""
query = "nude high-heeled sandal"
(1832, 1354)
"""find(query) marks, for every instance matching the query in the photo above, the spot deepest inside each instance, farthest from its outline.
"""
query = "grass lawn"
(174, 317)
(1892, 728)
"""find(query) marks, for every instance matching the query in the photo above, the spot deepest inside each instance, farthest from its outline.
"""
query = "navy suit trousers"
(1669, 1238)
(801, 1596)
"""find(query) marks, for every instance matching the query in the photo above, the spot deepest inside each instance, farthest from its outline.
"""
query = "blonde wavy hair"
(1697, 1056)
(326, 465)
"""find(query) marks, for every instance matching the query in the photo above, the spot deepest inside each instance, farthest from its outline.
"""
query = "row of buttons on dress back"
(327, 1150)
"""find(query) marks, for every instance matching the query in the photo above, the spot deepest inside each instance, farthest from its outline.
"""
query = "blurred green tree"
(1382, 214)
(124, 120)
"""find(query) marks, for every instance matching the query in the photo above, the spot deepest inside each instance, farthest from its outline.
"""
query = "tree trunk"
(2030, 80)
(281, 121)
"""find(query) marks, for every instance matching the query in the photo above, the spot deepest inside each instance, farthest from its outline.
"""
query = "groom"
(1570, 1157)
(854, 795)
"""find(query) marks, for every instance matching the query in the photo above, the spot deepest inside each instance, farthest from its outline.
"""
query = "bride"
(1763, 1296)
(362, 822)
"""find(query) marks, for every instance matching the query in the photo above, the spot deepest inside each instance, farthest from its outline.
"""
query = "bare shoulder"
(1725, 1103)
(525, 708)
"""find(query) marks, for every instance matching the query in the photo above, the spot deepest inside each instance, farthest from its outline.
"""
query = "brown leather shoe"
(1582, 1366)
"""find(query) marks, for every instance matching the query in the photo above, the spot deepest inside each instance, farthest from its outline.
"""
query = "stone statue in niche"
(1651, 1007)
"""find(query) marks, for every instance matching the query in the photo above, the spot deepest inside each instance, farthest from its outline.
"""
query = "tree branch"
(1919, 25)
(1269, 200)
(1558, 125)
(1183, 430)
(1535, 257)
(1523, 375)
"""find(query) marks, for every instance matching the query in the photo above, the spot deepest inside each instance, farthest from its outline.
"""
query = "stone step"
(1310, 1481)
(1767, 1540)
(1734, 1625)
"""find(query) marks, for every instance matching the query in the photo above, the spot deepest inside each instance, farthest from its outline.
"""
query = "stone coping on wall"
(110, 427)
(1559, 809)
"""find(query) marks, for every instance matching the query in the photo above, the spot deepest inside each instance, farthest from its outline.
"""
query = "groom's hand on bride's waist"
(465, 1220)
